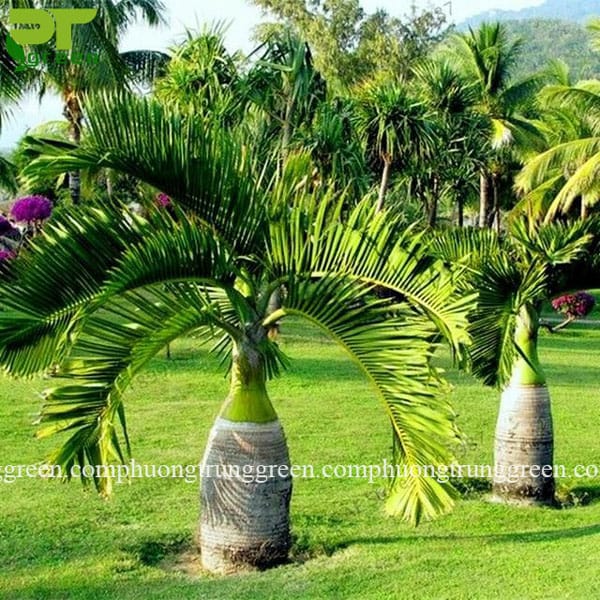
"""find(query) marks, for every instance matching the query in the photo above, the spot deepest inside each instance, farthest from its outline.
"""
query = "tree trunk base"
(524, 447)
(245, 497)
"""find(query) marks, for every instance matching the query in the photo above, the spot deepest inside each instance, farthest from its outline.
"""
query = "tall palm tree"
(453, 165)
(285, 88)
(394, 127)
(111, 70)
(514, 276)
(127, 286)
(203, 78)
(487, 56)
(565, 173)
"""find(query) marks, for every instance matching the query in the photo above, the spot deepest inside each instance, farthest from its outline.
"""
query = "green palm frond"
(521, 93)
(468, 246)
(204, 169)
(376, 249)
(552, 243)
(60, 272)
(15, 80)
(584, 96)
(64, 272)
(392, 345)
(504, 288)
(114, 344)
(391, 120)
(593, 27)
(582, 183)
(537, 201)
(145, 66)
(503, 285)
(563, 155)
(8, 175)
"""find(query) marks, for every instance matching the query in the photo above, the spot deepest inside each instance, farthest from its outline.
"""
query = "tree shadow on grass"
(513, 537)
(580, 495)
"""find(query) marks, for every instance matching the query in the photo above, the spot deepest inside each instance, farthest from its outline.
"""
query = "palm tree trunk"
(524, 443)
(385, 181)
(433, 205)
(246, 485)
(484, 199)
(73, 113)
(495, 215)
(584, 208)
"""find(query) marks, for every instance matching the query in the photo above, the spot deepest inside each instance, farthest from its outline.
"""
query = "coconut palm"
(102, 292)
(514, 276)
(109, 70)
(487, 56)
(394, 126)
(565, 173)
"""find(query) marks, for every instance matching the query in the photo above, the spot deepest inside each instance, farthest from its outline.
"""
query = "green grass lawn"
(60, 541)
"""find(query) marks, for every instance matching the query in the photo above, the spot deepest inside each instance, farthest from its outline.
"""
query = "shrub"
(574, 306)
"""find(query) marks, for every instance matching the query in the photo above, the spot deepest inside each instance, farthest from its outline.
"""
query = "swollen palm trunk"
(245, 507)
(524, 444)
(246, 480)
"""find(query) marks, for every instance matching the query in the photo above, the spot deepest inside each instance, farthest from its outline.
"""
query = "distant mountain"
(579, 11)
(544, 40)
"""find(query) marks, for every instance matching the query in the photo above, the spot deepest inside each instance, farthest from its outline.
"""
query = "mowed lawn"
(61, 541)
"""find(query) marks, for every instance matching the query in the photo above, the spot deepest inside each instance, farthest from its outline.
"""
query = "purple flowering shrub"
(30, 212)
(31, 209)
(574, 306)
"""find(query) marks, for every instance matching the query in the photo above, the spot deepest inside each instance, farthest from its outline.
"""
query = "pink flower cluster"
(574, 305)
(162, 200)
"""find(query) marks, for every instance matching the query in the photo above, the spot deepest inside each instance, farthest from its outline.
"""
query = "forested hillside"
(544, 40)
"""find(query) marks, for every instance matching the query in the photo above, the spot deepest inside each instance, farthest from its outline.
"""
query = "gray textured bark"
(244, 521)
(484, 200)
(524, 447)
(73, 113)
(460, 211)
(385, 181)
(496, 215)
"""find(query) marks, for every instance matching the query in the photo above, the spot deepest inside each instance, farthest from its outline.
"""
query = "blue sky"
(241, 17)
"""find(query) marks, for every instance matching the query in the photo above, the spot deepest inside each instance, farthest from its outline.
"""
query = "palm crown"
(103, 291)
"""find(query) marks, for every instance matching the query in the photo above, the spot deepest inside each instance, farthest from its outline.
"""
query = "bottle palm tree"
(127, 286)
(487, 56)
(109, 69)
(514, 276)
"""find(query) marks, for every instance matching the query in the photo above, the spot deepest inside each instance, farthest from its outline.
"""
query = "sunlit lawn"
(59, 541)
